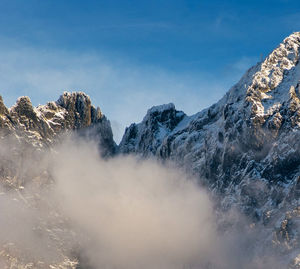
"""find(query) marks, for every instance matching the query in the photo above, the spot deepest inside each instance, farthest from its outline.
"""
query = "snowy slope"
(244, 148)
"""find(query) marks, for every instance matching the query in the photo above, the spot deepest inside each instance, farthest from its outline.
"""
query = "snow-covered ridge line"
(266, 83)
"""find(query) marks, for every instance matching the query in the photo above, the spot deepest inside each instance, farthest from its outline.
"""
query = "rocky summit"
(33, 130)
(43, 124)
(244, 149)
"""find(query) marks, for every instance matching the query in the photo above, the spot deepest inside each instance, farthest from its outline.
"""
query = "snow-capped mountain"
(41, 125)
(244, 148)
(27, 135)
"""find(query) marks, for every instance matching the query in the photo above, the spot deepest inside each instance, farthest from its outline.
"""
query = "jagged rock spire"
(42, 124)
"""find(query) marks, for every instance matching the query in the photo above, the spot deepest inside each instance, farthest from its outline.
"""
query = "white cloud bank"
(138, 214)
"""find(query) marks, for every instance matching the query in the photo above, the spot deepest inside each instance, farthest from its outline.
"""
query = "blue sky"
(130, 55)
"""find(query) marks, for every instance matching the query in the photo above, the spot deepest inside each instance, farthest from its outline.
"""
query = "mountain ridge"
(72, 111)
(243, 148)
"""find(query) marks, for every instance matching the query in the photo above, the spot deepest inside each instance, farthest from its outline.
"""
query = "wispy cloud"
(123, 89)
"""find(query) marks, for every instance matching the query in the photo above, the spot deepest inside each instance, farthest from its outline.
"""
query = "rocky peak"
(23, 107)
(42, 125)
(277, 75)
(79, 107)
(146, 136)
(164, 115)
(3, 109)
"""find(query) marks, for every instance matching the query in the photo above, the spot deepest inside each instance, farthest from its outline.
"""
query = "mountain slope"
(244, 148)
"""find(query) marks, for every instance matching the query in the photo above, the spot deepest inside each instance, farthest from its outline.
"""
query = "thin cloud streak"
(124, 90)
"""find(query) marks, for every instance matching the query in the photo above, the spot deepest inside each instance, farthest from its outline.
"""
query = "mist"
(119, 213)
(138, 214)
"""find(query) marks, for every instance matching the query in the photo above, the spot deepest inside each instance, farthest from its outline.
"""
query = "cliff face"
(244, 148)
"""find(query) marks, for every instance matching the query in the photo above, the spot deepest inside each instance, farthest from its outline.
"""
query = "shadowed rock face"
(146, 137)
(79, 109)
